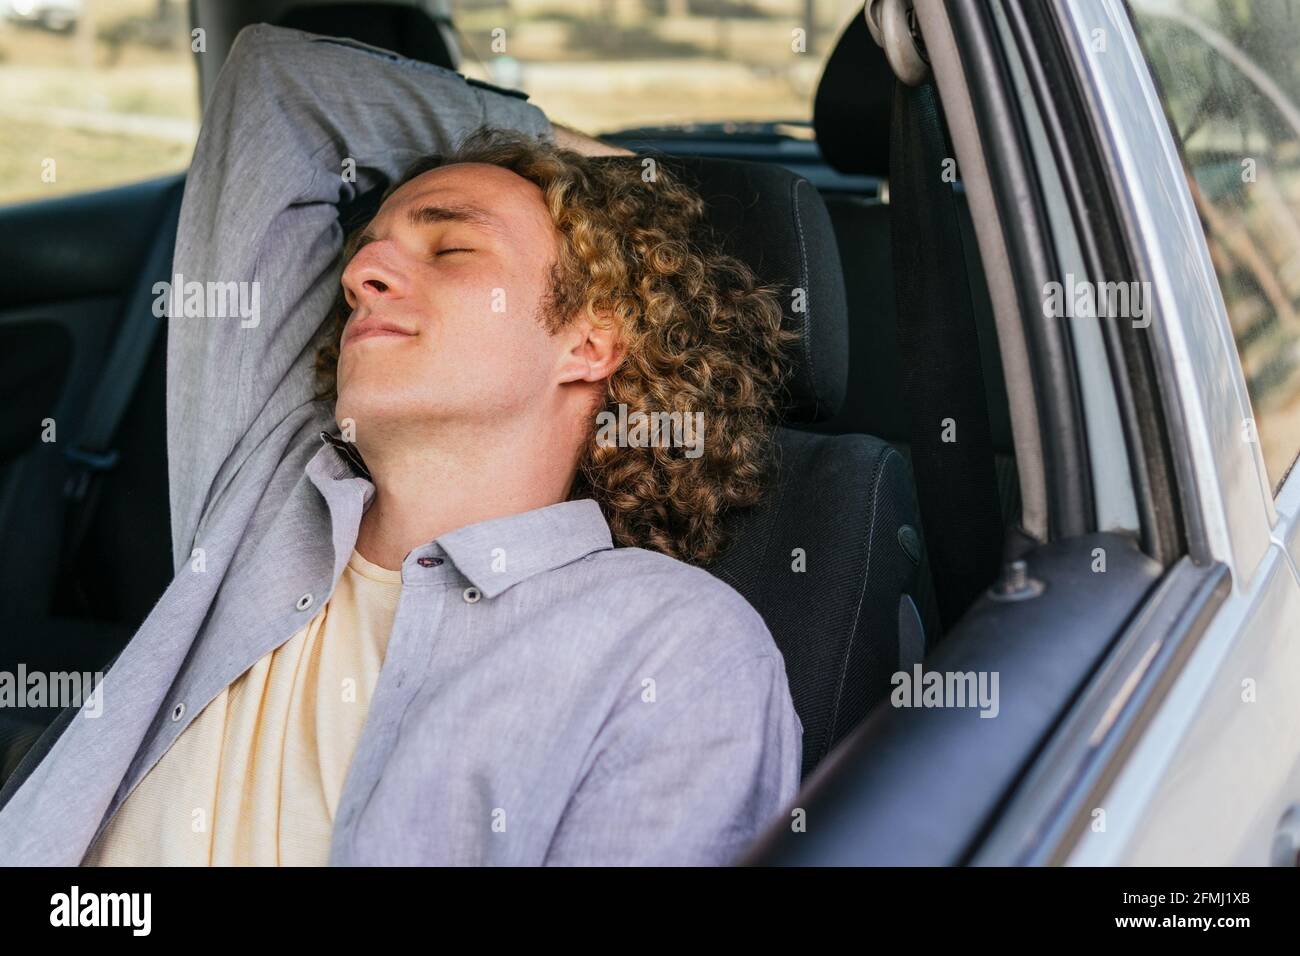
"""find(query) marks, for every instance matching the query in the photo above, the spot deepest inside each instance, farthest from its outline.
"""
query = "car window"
(603, 67)
(93, 94)
(1229, 77)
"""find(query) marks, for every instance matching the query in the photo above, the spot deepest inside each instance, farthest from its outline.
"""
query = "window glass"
(608, 65)
(93, 93)
(1229, 76)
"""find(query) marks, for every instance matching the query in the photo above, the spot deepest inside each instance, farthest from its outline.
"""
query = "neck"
(424, 490)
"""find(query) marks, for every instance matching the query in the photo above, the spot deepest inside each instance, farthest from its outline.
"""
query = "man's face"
(446, 291)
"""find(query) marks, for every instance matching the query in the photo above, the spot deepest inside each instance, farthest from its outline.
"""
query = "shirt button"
(178, 712)
(472, 595)
(428, 562)
(304, 602)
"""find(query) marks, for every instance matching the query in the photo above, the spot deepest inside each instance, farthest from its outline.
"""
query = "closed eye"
(445, 252)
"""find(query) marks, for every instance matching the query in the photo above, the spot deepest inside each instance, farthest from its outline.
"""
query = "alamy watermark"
(60, 689)
(209, 300)
(1084, 299)
(921, 688)
(638, 429)
(129, 910)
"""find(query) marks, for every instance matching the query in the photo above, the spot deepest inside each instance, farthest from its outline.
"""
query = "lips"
(374, 327)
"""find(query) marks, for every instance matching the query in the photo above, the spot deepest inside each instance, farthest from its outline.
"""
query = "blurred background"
(1228, 72)
(111, 87)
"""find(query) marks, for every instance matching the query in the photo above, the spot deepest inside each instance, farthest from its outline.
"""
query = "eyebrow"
(429, 215)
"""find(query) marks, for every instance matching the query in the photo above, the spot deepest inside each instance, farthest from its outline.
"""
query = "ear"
(591, 350)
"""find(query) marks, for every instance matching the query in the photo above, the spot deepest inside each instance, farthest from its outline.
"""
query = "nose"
(375, 272)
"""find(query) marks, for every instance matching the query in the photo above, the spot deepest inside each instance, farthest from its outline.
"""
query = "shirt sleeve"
(698, 785)
(296, 125)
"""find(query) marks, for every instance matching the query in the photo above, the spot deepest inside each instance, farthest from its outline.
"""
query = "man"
(416, 643)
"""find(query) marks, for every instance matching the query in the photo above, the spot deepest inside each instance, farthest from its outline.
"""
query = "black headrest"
(776, 223)
(406, 30)
(854, 97)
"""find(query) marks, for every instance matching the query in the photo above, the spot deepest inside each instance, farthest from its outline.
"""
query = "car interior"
(903, 529)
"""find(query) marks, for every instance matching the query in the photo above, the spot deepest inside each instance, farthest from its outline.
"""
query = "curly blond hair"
(700, 333)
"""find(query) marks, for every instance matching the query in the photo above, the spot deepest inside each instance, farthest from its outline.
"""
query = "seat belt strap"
(943, 382)
(93, 454)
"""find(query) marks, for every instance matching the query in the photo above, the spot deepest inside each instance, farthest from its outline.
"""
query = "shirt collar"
(495, 554)
(499, 553)
(348, 452)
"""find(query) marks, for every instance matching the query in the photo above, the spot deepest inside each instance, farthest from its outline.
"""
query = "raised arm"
(296, 125)
(566, 138)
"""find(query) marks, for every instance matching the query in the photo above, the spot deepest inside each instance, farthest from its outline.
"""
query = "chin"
(367, 406)
(378, 409)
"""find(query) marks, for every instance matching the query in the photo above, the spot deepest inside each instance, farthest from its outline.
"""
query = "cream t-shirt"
(255, 779)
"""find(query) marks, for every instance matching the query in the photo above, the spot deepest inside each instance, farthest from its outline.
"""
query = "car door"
(92, 175)
(1145, 655)
(1182, 748)
(1195, 105)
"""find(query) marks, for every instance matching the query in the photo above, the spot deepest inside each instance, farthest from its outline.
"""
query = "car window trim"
(1014, 234)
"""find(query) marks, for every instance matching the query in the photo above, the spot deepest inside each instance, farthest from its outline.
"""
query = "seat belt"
(943, 382)
(93, 453)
